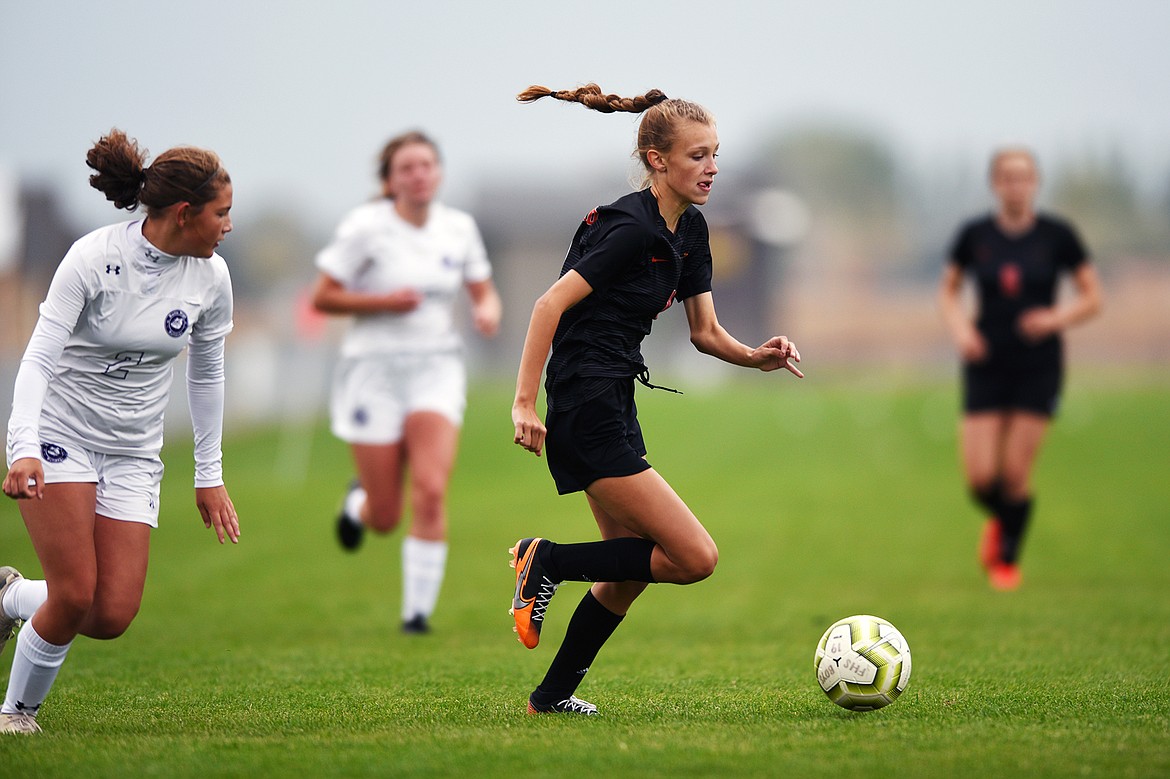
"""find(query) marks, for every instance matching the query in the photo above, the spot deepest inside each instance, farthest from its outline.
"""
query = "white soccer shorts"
(373, 395)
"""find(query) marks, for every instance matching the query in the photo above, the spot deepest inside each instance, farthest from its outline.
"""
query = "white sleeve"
(58, 317)
(205, 378)
(346, 255)
(476, 268)
(32, 381)
(205, 383)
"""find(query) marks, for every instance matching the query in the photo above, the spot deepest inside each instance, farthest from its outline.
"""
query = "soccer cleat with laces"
(19, 723)
(349, 529)
(534, 589)
(8, 625)
(571, 705)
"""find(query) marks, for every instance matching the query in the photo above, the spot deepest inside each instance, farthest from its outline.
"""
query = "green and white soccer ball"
(862, 663)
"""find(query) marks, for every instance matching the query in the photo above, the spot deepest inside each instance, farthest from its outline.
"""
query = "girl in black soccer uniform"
(1012, 354)
(628, 262)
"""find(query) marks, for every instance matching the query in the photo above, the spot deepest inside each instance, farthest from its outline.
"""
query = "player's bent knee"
(1015, 484)
(983, 486)
(72, 604)
(700, 565)
(383, 521)
(109, 627)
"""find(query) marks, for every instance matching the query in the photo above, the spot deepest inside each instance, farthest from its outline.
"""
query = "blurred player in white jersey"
(87, 412)
(397, 264)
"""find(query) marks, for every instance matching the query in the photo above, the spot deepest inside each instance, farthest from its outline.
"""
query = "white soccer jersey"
(375, 250)
(98, 368)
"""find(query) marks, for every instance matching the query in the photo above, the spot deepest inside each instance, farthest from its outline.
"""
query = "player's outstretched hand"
(778, 352)
(25, 479)
(218, 512)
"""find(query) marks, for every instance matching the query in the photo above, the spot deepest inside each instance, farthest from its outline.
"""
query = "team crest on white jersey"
(53, 453)
(176, 323)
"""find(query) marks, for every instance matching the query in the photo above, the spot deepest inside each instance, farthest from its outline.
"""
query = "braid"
(592, 97)
(658, 129)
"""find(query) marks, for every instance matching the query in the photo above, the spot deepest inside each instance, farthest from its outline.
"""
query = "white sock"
(423, 564)
(354, 502)
(23, 597)
(34, 668)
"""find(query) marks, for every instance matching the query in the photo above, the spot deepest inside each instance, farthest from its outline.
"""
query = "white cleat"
(8, 625)
(19, 723)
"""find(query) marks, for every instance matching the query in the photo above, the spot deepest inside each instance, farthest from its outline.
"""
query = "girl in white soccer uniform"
(87, 416)
(397, 264)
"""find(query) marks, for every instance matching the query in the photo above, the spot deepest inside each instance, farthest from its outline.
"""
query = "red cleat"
(1004, 576)
(989, 544)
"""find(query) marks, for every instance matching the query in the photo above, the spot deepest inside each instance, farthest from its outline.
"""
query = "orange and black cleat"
(534, 589)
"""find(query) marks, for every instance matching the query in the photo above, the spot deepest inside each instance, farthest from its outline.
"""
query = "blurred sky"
(297, 96)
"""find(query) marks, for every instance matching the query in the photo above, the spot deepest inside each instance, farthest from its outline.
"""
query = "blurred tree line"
(905, 218)
(879, 223)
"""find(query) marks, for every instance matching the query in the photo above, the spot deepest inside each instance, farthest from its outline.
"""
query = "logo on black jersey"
(176, 323)
(591, 217)
(1010, 280)
(52, 453)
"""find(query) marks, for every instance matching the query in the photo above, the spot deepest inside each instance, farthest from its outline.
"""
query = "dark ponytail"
(182, 174)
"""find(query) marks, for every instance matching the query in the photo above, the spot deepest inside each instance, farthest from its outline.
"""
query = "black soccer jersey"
(637, 269)
(1014, 274)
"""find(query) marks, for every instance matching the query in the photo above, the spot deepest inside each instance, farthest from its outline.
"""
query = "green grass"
(282, 656)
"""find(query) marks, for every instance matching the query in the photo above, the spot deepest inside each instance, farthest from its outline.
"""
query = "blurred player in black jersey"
(1012, 354)
(628, 262)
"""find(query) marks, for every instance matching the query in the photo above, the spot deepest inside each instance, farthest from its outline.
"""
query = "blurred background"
(855, 139)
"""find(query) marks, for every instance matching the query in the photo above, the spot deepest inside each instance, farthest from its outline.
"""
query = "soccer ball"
(862, 663)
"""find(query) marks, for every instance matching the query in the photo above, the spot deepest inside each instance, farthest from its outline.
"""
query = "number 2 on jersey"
(117, 369)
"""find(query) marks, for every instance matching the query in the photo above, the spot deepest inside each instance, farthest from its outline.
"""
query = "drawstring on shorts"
(644, 378)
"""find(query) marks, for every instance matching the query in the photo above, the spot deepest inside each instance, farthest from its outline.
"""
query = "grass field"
(282, 656)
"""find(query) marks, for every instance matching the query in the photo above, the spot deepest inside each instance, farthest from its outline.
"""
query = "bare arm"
(486, 307)
(709, 337)
(330, 296)
(1038, 323)
(970, 343)
(569, 290)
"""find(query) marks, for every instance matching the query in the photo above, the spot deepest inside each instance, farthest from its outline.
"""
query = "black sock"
(1013, 518)
(612, 560)
(589, 628)
(990, 498)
